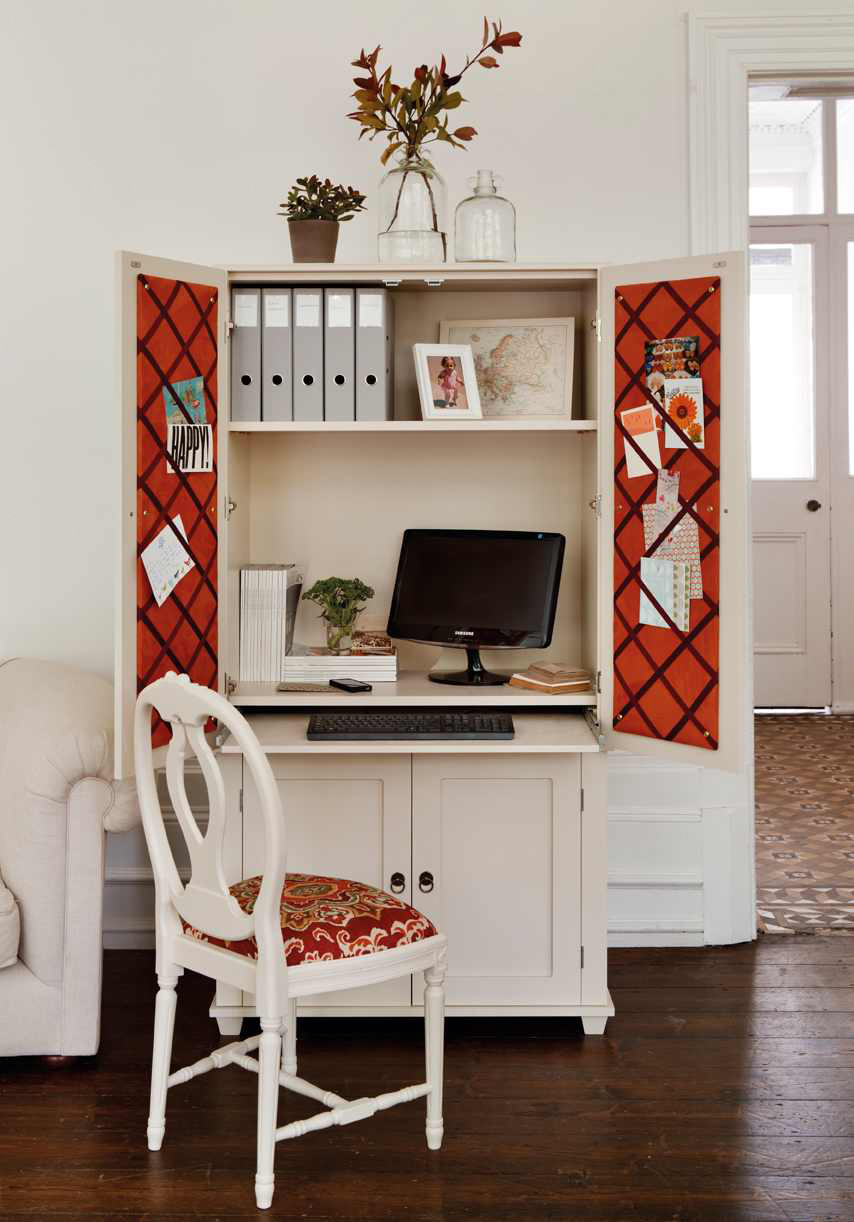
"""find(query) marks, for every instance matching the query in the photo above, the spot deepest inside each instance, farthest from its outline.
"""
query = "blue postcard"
(191, 393)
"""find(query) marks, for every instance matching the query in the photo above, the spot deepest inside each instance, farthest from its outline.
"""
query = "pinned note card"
(668, 581)
(190, 447)
(667, 491)
(166, 560)
(189, 405)
(683, 403)
(682, 543)
(639, 423)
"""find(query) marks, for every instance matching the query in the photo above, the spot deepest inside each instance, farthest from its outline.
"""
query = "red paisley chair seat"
(329, 918)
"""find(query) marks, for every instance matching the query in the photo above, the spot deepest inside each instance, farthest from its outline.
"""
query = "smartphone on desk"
(351, 685)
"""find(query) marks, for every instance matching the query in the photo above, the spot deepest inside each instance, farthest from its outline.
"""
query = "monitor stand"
(474, 676)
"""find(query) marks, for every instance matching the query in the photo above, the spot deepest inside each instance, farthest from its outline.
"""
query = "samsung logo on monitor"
(463, 632)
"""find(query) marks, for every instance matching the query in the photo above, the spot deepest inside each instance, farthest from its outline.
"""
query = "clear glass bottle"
(485, 224)
(412, 214)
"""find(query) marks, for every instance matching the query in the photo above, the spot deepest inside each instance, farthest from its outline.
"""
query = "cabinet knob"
(398, 882)
(813, 505)
(425, 881)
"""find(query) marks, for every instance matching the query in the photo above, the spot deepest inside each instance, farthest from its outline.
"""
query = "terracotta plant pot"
(313, 241)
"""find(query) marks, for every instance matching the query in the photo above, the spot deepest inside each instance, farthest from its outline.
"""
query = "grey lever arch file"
(374, 354)
(246, 354)
(276, 379)
(339, 354)
(308, 354)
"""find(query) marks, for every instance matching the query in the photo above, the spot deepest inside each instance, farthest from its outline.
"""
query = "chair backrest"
(205, 901)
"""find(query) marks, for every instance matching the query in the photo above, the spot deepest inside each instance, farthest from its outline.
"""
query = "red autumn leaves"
(410, 116)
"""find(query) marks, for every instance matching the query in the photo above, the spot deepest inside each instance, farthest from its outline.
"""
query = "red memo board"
(176, 330)
(666, 675)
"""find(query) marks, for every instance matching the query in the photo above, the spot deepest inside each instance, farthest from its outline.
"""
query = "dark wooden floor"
(723, 1090)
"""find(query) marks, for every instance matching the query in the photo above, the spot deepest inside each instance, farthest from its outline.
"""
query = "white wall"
(176, 126)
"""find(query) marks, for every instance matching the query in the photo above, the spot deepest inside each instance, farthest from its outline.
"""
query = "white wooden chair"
(240, 935)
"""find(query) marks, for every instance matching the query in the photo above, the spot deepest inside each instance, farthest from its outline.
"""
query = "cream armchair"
(57, 798)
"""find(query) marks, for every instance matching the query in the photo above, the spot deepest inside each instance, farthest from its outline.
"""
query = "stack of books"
(553, 678)
(373, 659)
(269, 598)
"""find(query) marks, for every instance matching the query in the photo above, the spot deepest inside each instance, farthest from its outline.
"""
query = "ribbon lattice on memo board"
(176, 341)
(666, 678)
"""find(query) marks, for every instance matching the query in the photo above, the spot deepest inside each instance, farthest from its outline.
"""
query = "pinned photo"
(670, 358)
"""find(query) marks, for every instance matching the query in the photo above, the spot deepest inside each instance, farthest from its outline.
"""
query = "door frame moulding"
(723, 52)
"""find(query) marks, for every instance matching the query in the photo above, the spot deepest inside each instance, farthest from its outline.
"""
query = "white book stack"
(269, 597)
(373, 659)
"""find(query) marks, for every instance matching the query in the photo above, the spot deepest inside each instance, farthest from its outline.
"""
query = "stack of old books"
(553, 678)
(373, 659)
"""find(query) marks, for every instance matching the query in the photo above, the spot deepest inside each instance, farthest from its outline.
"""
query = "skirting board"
(132, 934)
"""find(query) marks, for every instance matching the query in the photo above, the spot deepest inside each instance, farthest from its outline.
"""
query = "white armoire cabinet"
(502, 844)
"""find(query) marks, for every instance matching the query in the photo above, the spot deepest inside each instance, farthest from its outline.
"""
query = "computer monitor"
(477, 589)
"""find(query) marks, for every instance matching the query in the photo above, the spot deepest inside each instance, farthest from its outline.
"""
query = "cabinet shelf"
(536, 733)
(413, 426)
(412, 688)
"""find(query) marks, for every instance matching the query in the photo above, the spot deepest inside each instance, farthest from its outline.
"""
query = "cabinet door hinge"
(241, 799)
(433, 284)
(391, 284)
(230, 686)
(596, 504)
(229, 327)
(582, 958)
(582, 801)
(598, 683)
(230, 507)
(595, 725)
(596, 324)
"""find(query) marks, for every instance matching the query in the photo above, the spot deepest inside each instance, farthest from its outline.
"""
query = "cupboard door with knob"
(496, 854)
(348, 817)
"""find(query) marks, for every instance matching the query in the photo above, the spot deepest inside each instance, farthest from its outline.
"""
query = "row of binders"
(311, 354)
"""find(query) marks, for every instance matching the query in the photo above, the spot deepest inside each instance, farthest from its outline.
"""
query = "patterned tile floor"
(805, 823)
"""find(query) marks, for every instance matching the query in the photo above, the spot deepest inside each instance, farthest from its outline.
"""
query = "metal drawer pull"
(425, 881)
(398, 882)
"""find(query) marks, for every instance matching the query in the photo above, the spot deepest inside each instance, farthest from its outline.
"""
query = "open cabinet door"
(675, 635)
(172, 397)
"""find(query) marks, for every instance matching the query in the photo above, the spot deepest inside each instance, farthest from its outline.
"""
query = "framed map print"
(523, 365)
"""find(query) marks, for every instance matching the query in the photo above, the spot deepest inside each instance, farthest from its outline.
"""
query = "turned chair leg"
(290, 1045)
(434, 1044)
(164, 1025)
(269, 1055)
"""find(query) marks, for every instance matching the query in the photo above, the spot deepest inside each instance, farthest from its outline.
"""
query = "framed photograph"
(523, 365)
(447, 384)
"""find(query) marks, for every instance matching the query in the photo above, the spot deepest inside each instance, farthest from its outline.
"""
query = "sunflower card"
(683, 403)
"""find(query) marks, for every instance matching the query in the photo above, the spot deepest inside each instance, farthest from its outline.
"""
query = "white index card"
(276, 313)
(307, 310)
(371, 310)
(338, 309)
(245, 309)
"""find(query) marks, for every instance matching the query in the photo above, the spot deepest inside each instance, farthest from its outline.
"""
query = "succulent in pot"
(314, 209)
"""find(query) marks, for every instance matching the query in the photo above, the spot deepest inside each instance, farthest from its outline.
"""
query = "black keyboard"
(386, 725)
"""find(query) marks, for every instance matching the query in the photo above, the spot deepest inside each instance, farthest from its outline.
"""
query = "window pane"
(845, 154)
(851, 358)
(782, 392)
(785, 157)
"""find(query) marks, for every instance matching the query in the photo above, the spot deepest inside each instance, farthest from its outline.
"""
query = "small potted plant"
(314, 210)
(341, 600)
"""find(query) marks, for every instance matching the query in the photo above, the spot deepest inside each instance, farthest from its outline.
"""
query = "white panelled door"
(790, 386)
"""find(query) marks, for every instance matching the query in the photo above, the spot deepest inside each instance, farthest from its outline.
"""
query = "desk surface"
(536, 733)
(412, 688)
